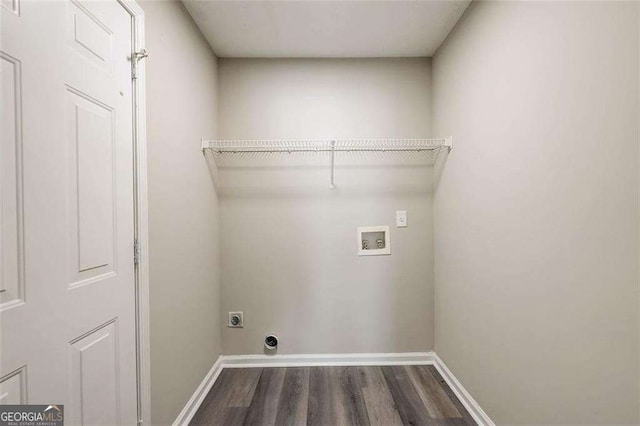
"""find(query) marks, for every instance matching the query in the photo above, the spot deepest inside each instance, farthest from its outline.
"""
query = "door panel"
(12, 5)
(89, 36)
(67, 288)
(13, 388)
(94, 372)
(11, 248)
(91, 187)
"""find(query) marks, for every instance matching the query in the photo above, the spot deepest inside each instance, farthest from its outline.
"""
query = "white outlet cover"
(401, 218)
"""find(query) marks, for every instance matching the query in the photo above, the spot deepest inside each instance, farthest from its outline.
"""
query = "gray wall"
(536, 212)
(181, 108)
(288, 243)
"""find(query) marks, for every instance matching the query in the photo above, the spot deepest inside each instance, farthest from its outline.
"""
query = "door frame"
(141, 217)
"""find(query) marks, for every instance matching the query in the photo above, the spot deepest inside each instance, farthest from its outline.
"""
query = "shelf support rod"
(333, 155)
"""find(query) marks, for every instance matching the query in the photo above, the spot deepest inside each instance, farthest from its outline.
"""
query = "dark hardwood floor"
(328, 396)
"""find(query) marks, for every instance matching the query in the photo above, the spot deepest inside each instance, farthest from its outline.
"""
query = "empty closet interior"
(387, 179)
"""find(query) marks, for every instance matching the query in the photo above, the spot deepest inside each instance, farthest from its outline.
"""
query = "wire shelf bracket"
(220, 147)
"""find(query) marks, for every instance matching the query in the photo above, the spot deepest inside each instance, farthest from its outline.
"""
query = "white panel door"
(67, 289)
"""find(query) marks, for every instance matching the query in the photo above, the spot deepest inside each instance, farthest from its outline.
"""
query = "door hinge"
(136, 252)
(135, 58)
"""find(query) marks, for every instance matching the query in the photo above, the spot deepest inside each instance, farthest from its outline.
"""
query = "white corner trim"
(327, 360)
(465, 397)
(198, 396)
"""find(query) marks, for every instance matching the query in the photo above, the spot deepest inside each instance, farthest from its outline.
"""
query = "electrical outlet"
(236, 320)
(401, 218)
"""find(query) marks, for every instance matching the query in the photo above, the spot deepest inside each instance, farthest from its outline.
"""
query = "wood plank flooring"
(332, 396)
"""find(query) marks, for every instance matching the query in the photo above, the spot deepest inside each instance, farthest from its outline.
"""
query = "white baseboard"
(198, 396)
(465, 397)
(328, 360)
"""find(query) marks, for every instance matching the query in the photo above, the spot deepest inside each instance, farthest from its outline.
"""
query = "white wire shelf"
(344, 145)
(230, 147)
